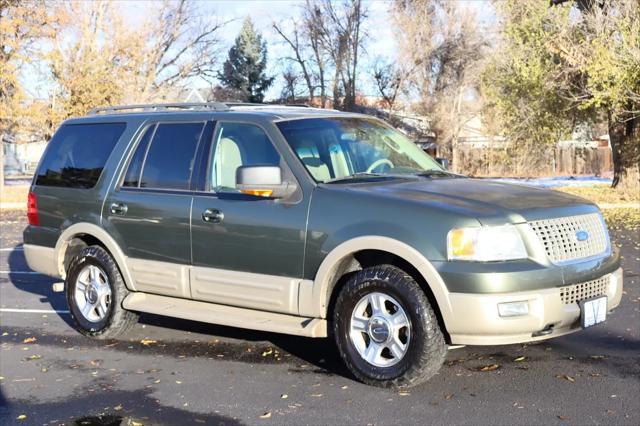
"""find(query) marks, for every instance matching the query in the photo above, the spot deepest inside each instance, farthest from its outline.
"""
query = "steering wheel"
(379, 163)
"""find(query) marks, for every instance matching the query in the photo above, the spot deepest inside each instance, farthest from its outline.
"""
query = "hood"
(489, 202)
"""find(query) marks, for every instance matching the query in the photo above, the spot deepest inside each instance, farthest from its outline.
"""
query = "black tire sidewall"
(356, 288)
(85, 259)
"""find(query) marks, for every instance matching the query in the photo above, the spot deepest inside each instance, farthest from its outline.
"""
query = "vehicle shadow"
(320, 353)
(40, 285)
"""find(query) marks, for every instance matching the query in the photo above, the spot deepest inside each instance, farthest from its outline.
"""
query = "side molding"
(97, 232)
(317, 306)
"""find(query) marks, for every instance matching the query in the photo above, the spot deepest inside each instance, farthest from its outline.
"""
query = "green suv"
(313, 223)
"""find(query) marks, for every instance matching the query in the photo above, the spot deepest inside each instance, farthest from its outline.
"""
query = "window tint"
(132, 178)
(239, 145)
(77, 154)
(171, 155)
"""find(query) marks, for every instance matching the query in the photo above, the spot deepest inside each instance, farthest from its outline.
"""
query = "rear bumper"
(476, 320)
(41, 259)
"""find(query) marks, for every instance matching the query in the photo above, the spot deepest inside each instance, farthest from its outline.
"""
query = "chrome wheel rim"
(93, 293)
(380, 330)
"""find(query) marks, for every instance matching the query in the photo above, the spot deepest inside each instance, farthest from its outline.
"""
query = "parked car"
(308, 222)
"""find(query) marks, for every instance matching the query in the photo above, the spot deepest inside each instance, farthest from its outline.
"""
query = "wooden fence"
(568, 160)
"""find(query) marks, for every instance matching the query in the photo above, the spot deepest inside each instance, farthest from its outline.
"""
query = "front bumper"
(476, 321)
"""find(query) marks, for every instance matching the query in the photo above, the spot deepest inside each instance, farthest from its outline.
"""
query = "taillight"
(32, 210)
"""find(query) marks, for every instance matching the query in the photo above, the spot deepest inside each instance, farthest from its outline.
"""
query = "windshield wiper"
(355, 176)
(431, 173)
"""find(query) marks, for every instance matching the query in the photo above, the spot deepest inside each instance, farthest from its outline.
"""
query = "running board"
(225, 315)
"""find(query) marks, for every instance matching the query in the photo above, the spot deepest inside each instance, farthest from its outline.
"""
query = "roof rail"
(216, 106)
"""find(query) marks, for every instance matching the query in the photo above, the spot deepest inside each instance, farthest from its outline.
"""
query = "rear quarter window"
(77, 153)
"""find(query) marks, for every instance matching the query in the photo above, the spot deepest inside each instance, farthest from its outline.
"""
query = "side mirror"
(444, 162)
(263, 181)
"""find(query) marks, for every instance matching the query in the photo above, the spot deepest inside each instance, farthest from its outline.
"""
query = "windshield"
(337, 148)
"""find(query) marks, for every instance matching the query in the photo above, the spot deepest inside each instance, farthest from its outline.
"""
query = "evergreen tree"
(244, 69)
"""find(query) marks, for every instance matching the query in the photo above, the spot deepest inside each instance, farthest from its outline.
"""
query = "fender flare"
(327, 269)
(95, 231)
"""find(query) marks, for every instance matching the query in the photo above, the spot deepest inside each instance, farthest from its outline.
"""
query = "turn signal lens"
(32, 210)
(258, 192)
(461, 243)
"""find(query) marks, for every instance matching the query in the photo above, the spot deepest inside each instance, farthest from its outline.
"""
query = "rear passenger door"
(149, 210)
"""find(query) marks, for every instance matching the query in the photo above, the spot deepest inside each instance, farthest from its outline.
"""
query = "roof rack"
(216, 106)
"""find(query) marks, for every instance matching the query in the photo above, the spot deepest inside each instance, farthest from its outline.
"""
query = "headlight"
(486, 243)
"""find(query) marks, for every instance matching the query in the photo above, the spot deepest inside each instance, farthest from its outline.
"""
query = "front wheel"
(386, 330)
(95, 291)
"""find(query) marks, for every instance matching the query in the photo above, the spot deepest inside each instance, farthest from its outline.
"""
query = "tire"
(412, 353)
(98, 322)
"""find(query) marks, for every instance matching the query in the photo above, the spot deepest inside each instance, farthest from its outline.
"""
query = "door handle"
(212, 216)
(118, 208)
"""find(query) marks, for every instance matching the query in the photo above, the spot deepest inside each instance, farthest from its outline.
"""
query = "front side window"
(336, 148)
(77, 154)
(236, 145)
(167, 160)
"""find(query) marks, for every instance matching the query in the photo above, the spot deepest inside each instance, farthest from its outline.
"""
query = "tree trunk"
(625, 152)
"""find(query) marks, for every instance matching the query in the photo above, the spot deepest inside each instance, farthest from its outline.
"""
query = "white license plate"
(593, 311)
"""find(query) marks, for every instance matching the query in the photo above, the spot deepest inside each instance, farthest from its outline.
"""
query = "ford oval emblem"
(582, 235)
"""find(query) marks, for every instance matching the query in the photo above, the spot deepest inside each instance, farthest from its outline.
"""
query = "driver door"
(247, 250)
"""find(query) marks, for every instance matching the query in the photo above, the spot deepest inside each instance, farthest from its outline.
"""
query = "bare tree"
(389, 79)
(443, 46)
(341, 37)
(300, 52)
(98, 58)
(290, 88)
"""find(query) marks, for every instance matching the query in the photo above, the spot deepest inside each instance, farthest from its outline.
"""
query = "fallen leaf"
(565, 377)
(448, 396)
(520, 358)
(147, 342)
(490, 367)
(21, 417)
(563, 417)
(156, 381)
(29, 340)
(266, 415)
(404, 393)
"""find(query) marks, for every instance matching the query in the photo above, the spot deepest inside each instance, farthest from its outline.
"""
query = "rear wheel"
(95, 291)
(386, 330)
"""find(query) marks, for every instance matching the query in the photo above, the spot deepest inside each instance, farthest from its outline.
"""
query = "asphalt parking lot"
(168, 371)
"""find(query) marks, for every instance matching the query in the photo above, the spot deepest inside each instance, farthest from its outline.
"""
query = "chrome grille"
(577, 292)
(560, 237)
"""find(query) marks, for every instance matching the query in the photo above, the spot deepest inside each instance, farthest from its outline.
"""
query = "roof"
(272, 112)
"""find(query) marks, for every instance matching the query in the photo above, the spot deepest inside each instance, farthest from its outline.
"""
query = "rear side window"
(168, 161)
(77, 154)
(132, 178)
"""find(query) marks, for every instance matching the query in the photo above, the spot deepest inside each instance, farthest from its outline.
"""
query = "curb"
(13, 206)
